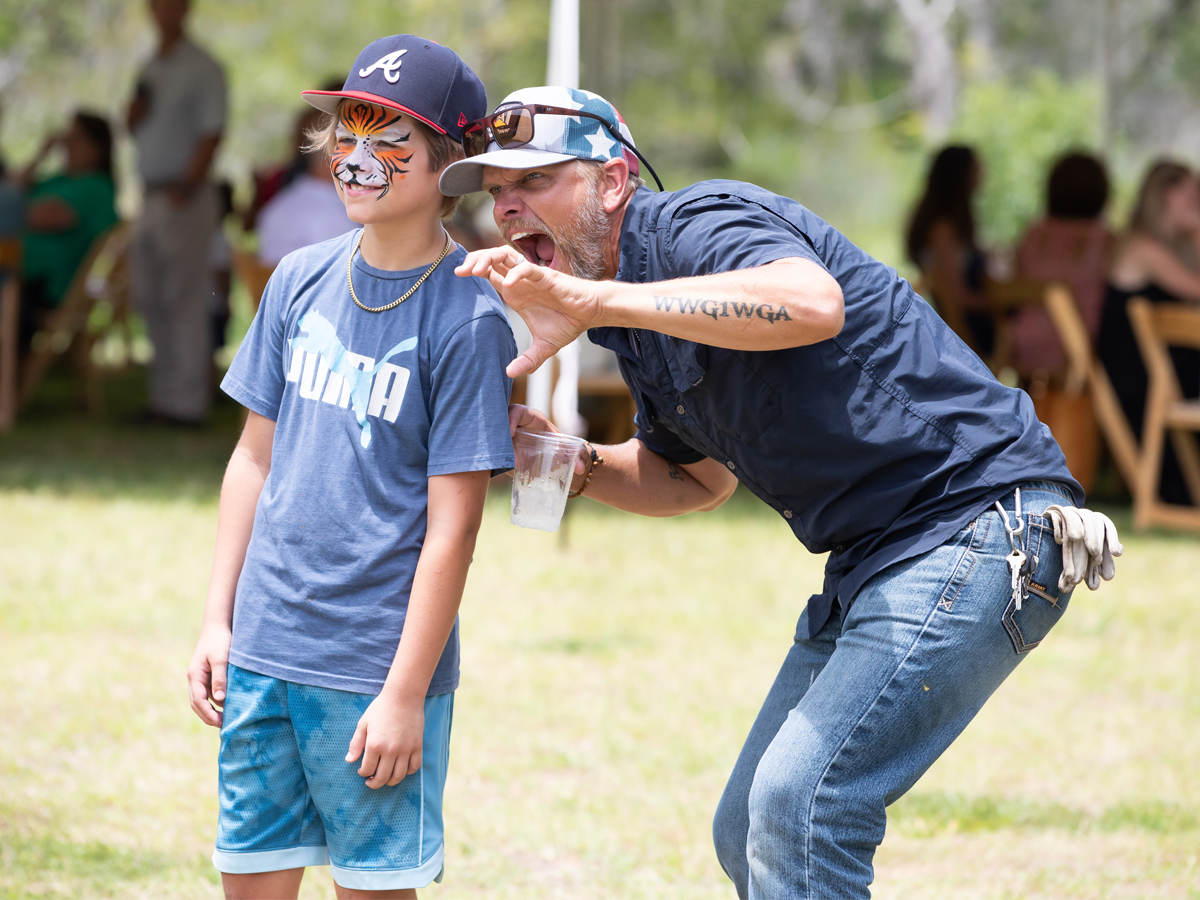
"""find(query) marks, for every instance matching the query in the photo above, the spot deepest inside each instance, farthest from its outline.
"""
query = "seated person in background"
(12, 206)
(1158, 258)
(307, 211)
(64, 215)
(273, 178)
(941, 242)
(1071, 245)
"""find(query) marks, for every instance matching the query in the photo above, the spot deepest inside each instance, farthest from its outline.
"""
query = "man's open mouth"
(536, 246)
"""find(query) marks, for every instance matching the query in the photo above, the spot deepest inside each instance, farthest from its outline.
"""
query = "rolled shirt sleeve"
(723, 233)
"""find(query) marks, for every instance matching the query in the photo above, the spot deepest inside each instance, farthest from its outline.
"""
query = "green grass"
(608, 681)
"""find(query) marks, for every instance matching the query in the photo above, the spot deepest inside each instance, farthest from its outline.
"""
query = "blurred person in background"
(1071, 245)
(1157, 258)
(177, 117)
(220, 265)
(64, 214)
(273, 178)
(941, 243)
(309, 210)
(12, 205)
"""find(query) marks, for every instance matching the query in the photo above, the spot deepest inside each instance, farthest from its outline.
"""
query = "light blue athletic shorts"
(290, 799)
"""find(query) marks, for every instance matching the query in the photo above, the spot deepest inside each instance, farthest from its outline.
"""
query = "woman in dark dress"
(1159, 259)
(941, 242)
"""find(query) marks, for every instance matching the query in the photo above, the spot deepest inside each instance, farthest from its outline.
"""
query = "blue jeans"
(859, 712)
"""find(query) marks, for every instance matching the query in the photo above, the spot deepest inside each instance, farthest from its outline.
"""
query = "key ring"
(1013, 533)
(1017, 560)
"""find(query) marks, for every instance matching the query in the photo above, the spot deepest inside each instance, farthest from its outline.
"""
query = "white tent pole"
(537, 387)
(562, 68)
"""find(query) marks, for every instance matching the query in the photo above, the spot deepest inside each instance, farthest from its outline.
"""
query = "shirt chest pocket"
(736, 399)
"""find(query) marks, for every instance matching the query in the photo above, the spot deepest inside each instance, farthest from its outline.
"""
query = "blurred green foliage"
(697, 80)
(1019, 129)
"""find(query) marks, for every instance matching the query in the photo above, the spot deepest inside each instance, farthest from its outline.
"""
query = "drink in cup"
(542, 478)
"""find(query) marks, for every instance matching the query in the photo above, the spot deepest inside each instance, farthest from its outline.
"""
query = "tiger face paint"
(373, 148)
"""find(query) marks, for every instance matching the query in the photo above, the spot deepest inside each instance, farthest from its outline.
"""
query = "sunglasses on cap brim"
(513, 127)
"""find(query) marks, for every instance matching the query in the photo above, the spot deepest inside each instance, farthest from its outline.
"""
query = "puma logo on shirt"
(326, 371)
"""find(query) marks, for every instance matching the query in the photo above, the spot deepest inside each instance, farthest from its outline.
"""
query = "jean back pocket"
(1044, 606)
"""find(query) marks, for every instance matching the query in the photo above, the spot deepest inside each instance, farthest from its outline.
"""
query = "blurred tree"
(934, 86)
(835, 102)
(1019, 129)
(855, 60)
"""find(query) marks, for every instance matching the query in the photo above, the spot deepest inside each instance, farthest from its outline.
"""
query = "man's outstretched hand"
(556, 307)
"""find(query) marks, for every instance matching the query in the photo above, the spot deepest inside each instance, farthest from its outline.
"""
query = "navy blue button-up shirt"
(875, 445)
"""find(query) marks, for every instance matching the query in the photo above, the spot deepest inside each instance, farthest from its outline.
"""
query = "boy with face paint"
(378, 410)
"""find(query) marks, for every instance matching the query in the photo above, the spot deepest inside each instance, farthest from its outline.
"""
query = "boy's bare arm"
(390, 733)
(244, 478)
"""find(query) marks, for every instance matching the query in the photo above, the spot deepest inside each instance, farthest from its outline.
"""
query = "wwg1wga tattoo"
(722, 309)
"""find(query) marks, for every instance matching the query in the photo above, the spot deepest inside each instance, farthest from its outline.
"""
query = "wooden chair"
(1158, 327)
(929, 286)
(102, 276)
(618, 424)
(10, 319)
(1005, 298)
(1065, 408)
(253, 274)
(1085, 372)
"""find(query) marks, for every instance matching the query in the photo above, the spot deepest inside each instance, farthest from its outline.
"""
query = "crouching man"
(762, 346)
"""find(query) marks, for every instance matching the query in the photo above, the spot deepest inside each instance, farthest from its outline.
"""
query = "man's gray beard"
(581, 241)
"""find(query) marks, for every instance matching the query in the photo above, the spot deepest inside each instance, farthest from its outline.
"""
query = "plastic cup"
(542, 478)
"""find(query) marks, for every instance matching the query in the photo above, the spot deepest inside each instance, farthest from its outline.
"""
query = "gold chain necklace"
(406, 294)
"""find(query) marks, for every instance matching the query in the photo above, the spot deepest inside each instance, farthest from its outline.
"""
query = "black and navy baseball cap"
(416, 76)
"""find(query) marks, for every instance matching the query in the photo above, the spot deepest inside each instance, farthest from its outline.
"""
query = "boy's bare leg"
(351, 894)
(281, 885)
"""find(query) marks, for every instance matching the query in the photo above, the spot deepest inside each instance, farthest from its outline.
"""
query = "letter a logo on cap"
(390, 65)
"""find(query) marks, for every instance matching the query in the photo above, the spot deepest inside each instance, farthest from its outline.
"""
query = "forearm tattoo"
(723, 309)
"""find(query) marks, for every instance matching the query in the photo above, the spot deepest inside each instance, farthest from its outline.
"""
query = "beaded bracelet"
(597, 460)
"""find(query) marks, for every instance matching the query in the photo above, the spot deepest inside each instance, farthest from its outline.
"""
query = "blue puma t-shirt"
(367, 407)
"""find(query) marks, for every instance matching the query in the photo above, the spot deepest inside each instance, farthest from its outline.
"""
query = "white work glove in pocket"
(1089, 543)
